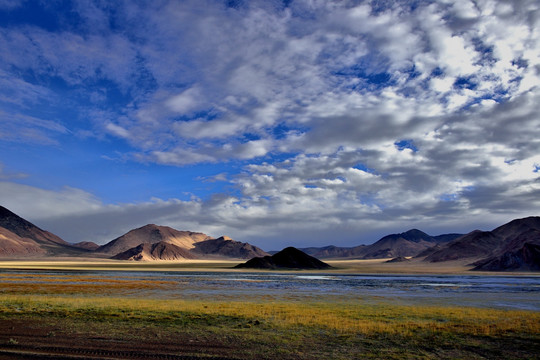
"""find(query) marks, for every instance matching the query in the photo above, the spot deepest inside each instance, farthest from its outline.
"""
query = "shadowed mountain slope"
(19, 237)
(408, 243)
(335, 252)
(288, 258)
(87, 245)
(225, 246)
(524, 259)
(512, 246)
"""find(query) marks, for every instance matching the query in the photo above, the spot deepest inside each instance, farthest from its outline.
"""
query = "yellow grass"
(346, 318)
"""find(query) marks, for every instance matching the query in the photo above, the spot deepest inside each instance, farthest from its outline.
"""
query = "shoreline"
(352, 267)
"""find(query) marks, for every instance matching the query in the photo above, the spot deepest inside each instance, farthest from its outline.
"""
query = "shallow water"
(501, 292)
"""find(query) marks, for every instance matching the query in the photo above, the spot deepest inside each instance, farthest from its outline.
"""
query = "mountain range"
(20, 238)
(512, 246)
(409, 243)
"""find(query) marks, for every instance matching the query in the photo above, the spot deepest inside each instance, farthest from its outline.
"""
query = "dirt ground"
(34, 339)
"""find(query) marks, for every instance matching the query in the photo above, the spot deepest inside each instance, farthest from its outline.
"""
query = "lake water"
(501, 292)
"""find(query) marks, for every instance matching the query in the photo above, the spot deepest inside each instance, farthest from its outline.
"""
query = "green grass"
(285, 330)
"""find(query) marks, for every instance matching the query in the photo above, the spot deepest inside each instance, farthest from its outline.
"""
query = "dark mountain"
(429, 251)
(20, 237)
(87, 245)
(156, 251)
(225, 246)
(526, 258)
(289, 258)
(398, 259)
(334, 252)
(439, 239)
(409, 243)
(522, 252)
(26, 229)
(511, 246)
(472, 245)
(152, 234)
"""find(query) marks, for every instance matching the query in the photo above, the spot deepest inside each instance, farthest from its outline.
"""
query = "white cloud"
(334, 83)
(185, 102)
(28, 129)
(117, 130)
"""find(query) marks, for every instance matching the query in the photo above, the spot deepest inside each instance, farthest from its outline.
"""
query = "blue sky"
(273, 122)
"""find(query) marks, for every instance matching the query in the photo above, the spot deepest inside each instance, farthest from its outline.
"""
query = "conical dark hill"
(288, 258)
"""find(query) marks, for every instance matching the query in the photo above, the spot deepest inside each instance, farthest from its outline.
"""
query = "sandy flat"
(373, 266)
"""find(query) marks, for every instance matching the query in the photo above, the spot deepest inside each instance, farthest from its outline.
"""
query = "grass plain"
(88, 316)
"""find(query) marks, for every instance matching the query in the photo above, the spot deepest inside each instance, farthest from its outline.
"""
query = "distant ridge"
(225, 246)
(288, 258)
(409, 243)
(87, 245)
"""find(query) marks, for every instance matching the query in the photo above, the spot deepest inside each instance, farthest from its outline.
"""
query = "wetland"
(214, 314)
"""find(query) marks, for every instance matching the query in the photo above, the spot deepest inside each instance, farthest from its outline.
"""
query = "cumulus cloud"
(333, 117)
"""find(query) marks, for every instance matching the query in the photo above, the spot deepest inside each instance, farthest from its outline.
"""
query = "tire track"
(61, 353)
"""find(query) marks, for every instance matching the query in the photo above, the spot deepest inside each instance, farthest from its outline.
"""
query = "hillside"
(19, 237)
(225, 246)
(187, 245)
(512, 246)
(12, 244)
(156, 251)
(152, 234)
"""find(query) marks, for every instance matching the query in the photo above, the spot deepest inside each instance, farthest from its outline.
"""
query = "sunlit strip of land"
(372, 266)
(273, 330)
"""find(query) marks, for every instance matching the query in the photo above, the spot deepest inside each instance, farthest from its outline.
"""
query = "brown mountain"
(288, 258)
(225, 246)
(409, 243)
(527, 258)
(404, 244)
(19, 237)
(192, 244)
(511, 246)
(521, 252)
(87, 245)
(152, 234)
(472, 245)
(157, 251)
(12, 244)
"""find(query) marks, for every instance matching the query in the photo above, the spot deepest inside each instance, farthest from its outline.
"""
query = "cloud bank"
(327, 122)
